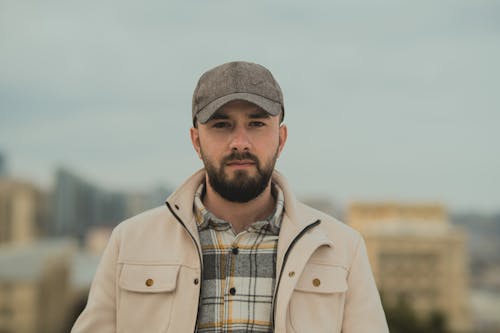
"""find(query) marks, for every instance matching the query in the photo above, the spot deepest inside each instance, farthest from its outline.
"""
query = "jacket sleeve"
(99, 314)
(363, 309)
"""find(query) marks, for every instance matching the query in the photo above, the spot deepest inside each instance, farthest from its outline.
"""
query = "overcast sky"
(385, 100)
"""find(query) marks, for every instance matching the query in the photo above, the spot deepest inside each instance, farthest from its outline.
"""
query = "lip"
(241, 164)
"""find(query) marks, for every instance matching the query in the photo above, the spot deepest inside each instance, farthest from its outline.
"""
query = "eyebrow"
(218, 115)
(259, 114)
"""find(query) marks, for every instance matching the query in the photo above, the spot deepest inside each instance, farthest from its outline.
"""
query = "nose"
(240, 140)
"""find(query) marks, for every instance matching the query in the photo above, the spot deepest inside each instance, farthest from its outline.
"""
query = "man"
(232, 250)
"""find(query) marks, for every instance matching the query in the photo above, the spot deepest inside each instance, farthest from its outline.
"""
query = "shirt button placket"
(235, 251)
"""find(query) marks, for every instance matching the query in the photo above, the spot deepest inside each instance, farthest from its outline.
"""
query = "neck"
(240, 215)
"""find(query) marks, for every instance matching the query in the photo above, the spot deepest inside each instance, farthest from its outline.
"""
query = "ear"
(195, 140)
(283, 133)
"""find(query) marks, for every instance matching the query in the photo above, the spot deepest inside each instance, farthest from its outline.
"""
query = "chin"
(239, 174)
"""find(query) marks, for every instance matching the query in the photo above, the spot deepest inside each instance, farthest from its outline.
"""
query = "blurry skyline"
(384, 100)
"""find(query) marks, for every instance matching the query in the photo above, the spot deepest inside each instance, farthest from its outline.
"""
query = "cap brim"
(271, 107)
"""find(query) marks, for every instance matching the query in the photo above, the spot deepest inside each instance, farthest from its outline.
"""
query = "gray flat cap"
(236, 80)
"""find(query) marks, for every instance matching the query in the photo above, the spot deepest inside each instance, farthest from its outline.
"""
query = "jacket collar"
(295, 217)
(181, 201)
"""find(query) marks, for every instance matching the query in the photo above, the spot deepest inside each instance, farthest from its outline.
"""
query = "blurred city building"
(23, 211)
(34, 286)
(484, 235)
(418, 257)
(44, 282)
(3, 166)
(80, 205)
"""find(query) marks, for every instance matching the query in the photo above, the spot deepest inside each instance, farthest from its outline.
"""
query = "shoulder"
(152, 236)
(149, 222)
(148, 217)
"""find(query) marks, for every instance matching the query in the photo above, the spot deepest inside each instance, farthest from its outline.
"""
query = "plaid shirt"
(239, 271)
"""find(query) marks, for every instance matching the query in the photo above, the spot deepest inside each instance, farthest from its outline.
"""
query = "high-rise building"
(22, 211)
(80, 205)
(417, 256)
(74, 204)
(3, 167)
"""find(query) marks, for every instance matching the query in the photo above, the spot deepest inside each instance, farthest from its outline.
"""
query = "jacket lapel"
(299, 239)
(180, 204)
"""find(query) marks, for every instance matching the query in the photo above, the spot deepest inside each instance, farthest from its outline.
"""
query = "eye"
(221, 124)
(257, 124)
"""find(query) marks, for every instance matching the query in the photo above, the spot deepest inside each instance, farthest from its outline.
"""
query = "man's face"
(239, 146)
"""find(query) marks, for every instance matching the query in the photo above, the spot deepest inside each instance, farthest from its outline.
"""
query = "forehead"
(240, 108)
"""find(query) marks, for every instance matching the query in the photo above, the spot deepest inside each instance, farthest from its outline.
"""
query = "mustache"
(237, 156)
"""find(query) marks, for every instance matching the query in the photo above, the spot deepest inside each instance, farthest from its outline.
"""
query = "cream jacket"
(149, 276)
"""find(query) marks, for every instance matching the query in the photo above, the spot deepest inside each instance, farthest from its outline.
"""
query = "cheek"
(267, 151)
(210, 145)
(269, 143)
(209, 155)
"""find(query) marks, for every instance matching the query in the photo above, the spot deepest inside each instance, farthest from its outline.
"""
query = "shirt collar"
(205, 219)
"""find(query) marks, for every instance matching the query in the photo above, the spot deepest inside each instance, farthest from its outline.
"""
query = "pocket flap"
(149, 278)
(324, 279)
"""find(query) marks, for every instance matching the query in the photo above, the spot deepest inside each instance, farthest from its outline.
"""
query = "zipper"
(199, 257)
(312, 225)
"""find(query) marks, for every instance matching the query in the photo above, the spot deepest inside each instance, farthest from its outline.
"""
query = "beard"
(242, 187)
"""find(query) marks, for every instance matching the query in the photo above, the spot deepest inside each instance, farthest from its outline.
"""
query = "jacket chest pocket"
(318, 300)
(146, 297)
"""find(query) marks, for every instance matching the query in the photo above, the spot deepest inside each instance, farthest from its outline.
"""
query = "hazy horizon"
(384, 100)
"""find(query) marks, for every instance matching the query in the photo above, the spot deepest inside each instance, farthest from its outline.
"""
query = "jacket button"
(196, 281)
(235, 250)
(149, 282)
(316, 282)
(291, 274)
(232, 291)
